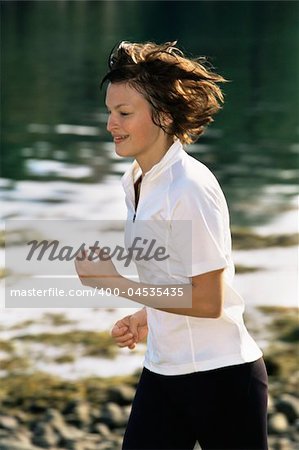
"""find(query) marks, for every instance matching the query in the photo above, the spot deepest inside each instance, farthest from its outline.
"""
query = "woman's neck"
(148, 161)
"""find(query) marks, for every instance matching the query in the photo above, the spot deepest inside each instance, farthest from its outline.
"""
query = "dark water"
(53, 118)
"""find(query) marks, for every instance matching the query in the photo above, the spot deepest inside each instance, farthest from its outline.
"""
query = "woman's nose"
(111, 123)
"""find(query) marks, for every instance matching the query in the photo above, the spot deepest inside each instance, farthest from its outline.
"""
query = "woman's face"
(130, 123)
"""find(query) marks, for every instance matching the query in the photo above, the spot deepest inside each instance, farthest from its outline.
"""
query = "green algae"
(244, 239)
(38, 391)
(93, 343)
(57, 319)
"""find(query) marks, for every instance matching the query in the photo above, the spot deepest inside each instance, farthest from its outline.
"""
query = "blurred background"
(58, 162)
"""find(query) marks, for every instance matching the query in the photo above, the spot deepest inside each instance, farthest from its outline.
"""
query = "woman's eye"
(125, 114)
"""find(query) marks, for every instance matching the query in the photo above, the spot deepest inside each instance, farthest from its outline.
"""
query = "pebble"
(284, 444)
(45, 436)
(122, 395)
(79, 414)
(8, 423)
(11, 444)
(112, 415)
(288, 405)
(102, 429)
(278, 423)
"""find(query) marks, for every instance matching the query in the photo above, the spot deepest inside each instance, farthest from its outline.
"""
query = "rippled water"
(54, 55)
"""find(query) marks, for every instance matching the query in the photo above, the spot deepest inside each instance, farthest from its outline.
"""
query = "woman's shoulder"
(192, 178)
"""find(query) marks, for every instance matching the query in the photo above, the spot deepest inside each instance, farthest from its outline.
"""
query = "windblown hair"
(177, 87)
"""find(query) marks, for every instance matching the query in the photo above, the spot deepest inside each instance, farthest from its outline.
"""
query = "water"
(54, 55)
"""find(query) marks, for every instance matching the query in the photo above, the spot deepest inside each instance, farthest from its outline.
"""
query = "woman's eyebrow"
(119, 105)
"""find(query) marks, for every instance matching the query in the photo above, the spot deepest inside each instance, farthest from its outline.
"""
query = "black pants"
(224, 409)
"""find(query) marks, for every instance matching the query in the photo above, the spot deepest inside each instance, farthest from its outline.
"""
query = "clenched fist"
(130, 330)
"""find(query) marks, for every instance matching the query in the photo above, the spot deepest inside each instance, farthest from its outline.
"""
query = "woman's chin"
(121, 151)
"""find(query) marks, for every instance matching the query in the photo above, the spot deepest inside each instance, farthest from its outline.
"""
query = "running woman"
(204, 377)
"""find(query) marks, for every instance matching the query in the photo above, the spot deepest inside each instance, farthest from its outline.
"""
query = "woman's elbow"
(215, 313)
(217, 305)
(211, 308)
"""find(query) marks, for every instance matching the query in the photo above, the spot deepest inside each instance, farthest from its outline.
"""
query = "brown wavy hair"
(177, 87)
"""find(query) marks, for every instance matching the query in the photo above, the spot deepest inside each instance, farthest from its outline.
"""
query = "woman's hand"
(130, 330)
(95, 272)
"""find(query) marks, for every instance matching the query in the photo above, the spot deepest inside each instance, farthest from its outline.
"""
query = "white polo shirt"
(180, 188)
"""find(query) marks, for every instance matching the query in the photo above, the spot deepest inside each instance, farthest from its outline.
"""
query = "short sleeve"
(198, 230)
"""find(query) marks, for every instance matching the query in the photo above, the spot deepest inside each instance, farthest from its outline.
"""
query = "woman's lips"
(119, 139)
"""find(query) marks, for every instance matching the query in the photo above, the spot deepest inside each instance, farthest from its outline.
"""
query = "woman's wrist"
(142, 316)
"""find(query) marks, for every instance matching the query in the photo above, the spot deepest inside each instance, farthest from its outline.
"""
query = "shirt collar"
(173, 154)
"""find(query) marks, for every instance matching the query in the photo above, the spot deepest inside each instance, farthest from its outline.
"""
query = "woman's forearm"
(176, 298)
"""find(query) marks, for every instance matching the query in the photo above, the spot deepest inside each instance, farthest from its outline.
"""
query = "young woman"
(204, 378)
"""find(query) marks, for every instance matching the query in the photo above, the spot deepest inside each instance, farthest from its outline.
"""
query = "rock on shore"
(39, 411)
(82, 425)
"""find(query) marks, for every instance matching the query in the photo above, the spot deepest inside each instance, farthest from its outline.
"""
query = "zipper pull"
(134, 217)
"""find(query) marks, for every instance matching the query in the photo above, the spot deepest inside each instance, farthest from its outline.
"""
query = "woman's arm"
(204, 294)
(203, 297)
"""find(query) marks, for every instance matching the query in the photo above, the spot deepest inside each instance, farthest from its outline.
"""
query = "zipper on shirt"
(136, 203)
